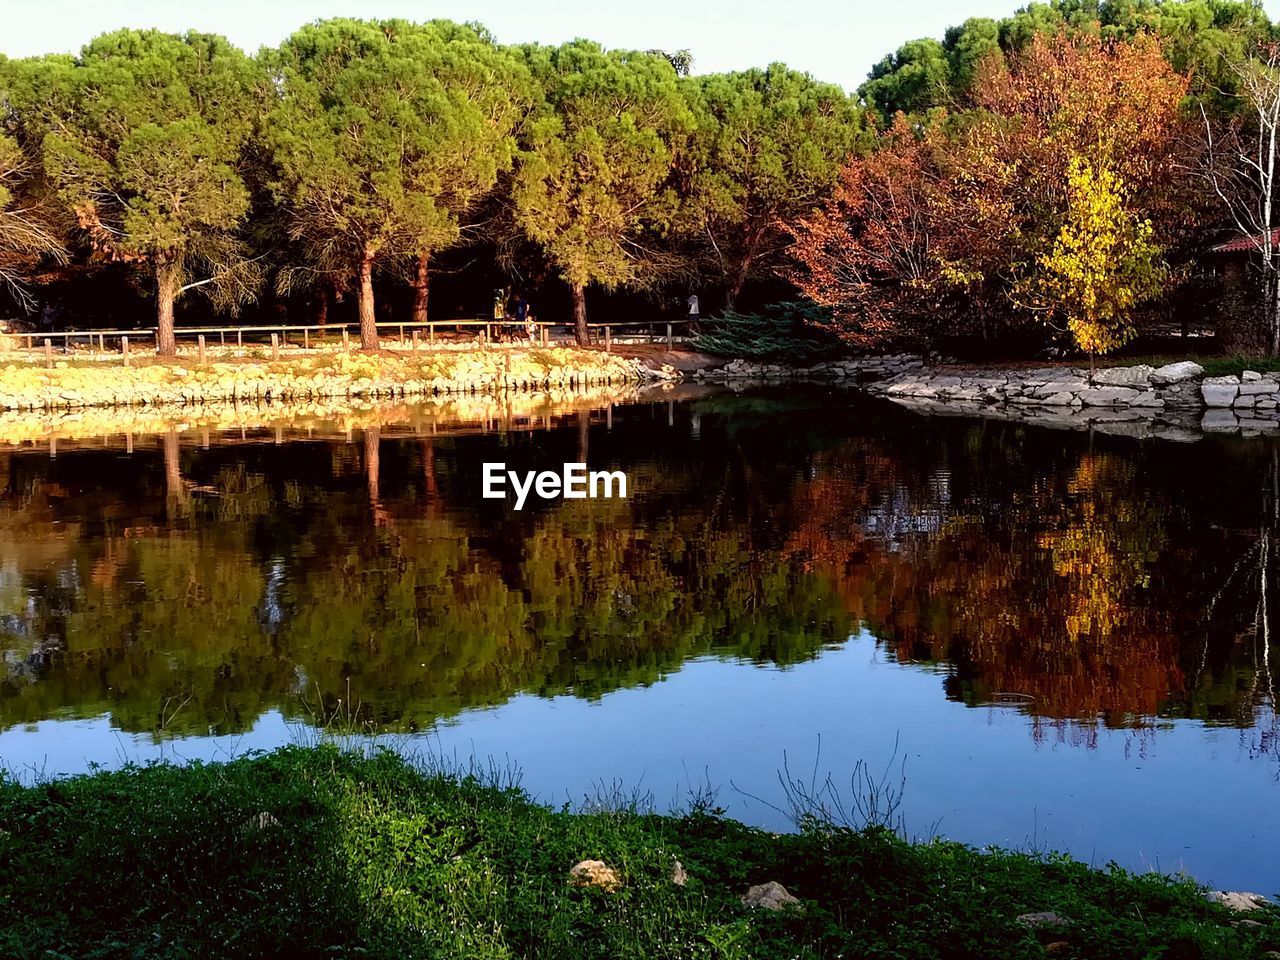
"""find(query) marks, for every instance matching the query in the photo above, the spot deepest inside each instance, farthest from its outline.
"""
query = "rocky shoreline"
(69, 384)
(1174, 401)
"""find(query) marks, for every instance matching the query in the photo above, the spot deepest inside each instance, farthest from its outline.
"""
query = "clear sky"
(835, 40)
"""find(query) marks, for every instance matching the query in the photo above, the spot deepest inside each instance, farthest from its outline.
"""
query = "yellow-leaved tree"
(1103, 262)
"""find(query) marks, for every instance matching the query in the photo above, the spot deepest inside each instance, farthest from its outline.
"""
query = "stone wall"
(1175, 385)
(1175, 401)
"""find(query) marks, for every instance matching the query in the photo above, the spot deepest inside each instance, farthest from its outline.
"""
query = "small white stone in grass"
(679, 876)
(594, 873)
(771, 896)
(1043, 920)
(263, 821)
(1237, 899)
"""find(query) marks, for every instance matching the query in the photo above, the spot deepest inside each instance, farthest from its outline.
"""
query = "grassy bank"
(310, 852)
(257, 377)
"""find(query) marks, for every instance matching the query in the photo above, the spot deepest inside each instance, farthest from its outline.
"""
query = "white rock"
(1237, 900)
(1218, 394)
(1044, 920)
(1176, 372)
(1250, 375)
(1135, 376)
(771, 896)
(1108, 396)
(1063, 399)
(1257, 386)
(1060, 386)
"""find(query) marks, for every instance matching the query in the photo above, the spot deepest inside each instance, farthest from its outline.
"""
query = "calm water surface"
(1068, 637)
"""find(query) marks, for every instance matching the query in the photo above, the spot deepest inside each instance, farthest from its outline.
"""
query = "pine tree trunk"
(736, 284)
(421, 289)
(743, 269)
(580, 314)
(322, 305)
(175, 489)
(368, 330)
(373, 464)
(167, 277)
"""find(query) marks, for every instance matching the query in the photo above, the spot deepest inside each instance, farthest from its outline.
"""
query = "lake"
(1054, 639)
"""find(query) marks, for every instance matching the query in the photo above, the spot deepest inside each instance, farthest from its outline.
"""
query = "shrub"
(789, 332)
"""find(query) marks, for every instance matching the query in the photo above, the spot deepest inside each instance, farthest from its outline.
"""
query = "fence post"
(102, 343)
(670, 340)
(200, 348)
(239, 339)
(431, 333)
(402, 334)
(48, 353)
(608, 339)
(275, 346)
(124, 352)
(413, 341)
(346, 339)
(545, 335)
(306, 339)
(222, 337)
(484, 338)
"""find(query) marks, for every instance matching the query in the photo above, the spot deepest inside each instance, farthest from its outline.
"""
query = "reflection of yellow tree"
(1102, 546)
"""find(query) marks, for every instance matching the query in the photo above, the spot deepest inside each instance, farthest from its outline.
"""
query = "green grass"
(314, 852)
(1214, 366)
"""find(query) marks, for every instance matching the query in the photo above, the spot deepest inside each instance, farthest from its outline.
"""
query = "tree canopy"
(385, 133)
(1201, 38)
(595, 186)
(142, 137)
(768, 149)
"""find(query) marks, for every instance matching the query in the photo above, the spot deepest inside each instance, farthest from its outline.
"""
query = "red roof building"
(1248, 244)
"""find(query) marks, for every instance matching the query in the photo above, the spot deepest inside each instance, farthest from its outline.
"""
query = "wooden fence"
(305, 335)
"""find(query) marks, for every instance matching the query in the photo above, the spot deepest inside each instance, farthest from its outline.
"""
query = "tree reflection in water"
(1091, 582)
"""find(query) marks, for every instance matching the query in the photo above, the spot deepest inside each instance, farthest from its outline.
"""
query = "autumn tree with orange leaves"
(947, 226)
(869, 252)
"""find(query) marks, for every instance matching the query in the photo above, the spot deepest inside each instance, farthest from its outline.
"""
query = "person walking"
(524, 316)
(694, 313)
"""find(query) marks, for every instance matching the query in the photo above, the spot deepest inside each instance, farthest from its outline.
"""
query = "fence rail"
(278, 335)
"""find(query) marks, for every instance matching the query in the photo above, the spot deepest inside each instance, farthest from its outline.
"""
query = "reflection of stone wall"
(329, 416)
(315, 376)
